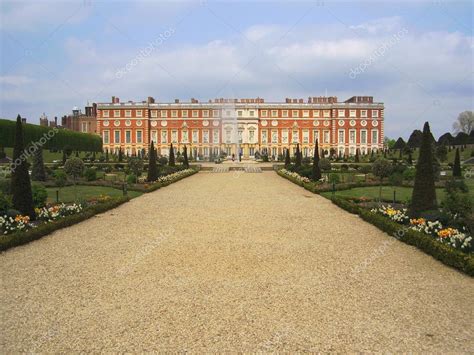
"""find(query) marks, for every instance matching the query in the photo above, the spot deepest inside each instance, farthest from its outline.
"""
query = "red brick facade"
(243, 126)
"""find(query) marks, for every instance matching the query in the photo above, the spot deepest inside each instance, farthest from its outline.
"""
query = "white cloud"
(421, 77)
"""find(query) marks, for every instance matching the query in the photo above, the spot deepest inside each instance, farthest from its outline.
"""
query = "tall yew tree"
(298, 156)
(37, 172)
(171, 161)
(287, 158)
(185, 157)
(316, 171)
(457, 164)
(424, 192)
(20, 182)
(152, 168)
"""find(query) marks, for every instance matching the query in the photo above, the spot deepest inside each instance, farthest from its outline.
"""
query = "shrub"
(171, 161)
(38, 172)
(163, 160)
(325, 164)
(131, 179)
(409, 174)
(5, 203)
(90, 174)
(396, 179)
(60, 178)
(40, 195)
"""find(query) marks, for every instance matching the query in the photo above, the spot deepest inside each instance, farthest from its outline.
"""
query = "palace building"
(243, 126)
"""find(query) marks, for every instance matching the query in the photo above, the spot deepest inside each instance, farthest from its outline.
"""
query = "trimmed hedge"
(23, 237)
(59, 138)
(442, 252)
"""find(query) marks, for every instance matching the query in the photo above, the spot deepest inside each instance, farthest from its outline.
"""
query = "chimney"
(309, 100)
(295, 101)
(300, 101)
(176, 101)
(117, 100)
(55, 121)
(287, 100)
(150, 100)
(23, 120)
(113, 99)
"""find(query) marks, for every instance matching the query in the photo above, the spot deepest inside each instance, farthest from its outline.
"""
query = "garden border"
(23, 237)
(444, 253)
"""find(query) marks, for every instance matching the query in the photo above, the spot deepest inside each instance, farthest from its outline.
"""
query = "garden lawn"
(66, 194)
(403, 194)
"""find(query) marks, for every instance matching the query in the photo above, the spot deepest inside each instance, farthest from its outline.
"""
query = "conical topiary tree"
(356, 158)
(287, 158)
(37, 172)
(152, 168)
(457, 164)
(424, 192)
(185, 157)
(298, 156)
(171, 161)
(316, 171)
(120, 155)
(22, 196)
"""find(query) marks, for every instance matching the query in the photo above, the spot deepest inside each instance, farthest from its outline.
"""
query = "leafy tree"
(389, 143)
(457, 164)
(74, 167)
(297, 156)
(415, 139)
(171, 161)
(38, 173)
(464, 122)
(287, 158)
(424, 192)
(22, 197)
(446, 139)
(90, 174)
(399, 144)
(462, 139)
(381, 168)
(152, 167)
(316, 171)
(135, 164)
(185, 156)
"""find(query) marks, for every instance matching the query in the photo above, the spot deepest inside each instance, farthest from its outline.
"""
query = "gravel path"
(230, 262)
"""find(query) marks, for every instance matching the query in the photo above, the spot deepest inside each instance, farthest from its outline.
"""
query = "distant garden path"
(230, 261)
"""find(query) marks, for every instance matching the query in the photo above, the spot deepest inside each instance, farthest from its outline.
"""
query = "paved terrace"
(230, 262)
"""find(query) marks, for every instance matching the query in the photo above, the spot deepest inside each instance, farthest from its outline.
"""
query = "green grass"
(66, 194)
(403, 194)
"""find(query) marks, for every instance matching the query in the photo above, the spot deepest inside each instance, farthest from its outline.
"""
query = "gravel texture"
(230, 262)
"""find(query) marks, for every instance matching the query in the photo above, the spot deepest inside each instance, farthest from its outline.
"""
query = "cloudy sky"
(415, 56)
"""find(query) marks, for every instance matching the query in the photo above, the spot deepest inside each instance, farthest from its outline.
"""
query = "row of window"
(251, 113)
(265, 139)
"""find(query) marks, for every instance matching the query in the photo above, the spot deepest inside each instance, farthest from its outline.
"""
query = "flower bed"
(35, 231)
(451, 236)
(170, 178)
